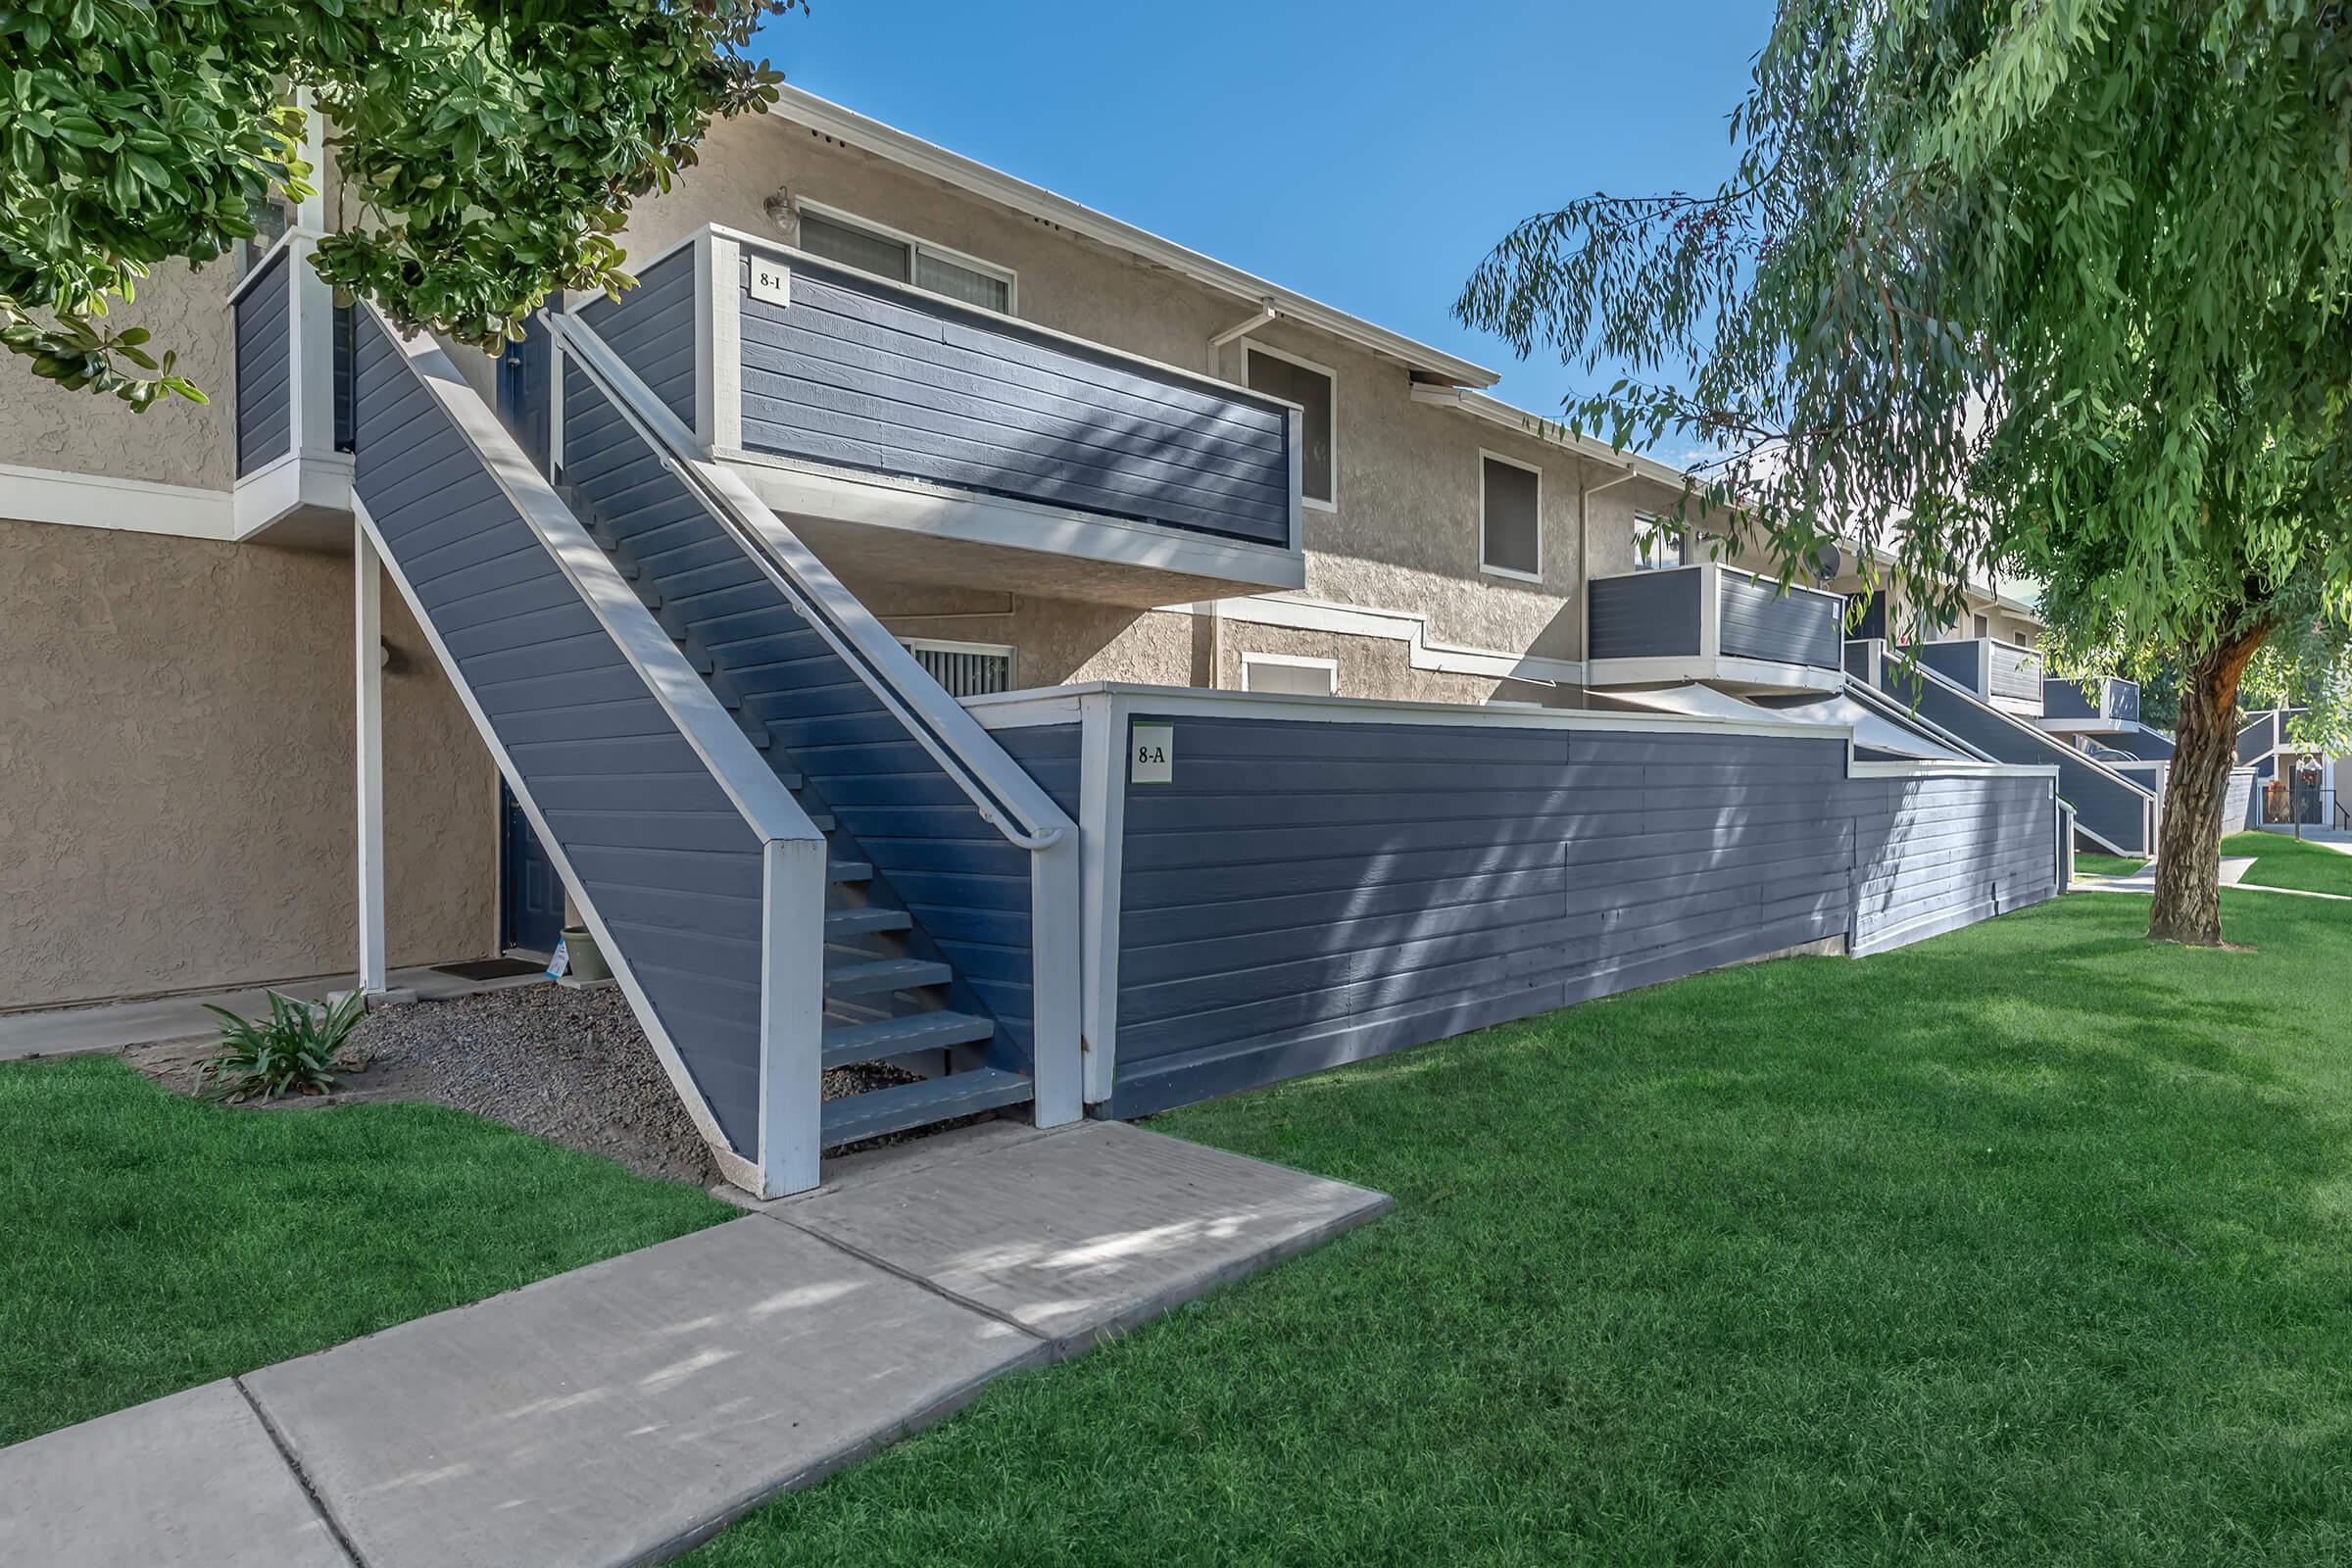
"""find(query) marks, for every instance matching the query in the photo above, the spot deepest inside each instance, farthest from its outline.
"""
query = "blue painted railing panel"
(264, 407)
(1760, 621)
(1650, 614)
(854, 374)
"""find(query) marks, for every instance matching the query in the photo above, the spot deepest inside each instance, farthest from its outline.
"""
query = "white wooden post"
(792, 1015)
(368, 595)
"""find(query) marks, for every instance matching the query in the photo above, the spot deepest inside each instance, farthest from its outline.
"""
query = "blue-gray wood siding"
(2064, 699)
(2260, 738)
(1650, 614)
(265, 369)
(857, 375)
(663, 858)
(1932, 854)
(1306, 893)
(1961, 662)
(1760, 621)
(652, 328)
(933, 855)
(2104, 804)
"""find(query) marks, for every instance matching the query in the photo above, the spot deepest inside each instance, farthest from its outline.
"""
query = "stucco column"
(368, 591)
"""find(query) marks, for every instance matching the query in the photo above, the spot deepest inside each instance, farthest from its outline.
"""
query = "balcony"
(872, 416)
(292, 407)
(1714, 623)
(2110, 706)
(2002, 674)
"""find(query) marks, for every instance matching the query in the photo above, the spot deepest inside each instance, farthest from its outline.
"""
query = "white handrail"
(1035, 828)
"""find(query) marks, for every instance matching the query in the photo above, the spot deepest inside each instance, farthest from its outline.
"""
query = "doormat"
(489, 969)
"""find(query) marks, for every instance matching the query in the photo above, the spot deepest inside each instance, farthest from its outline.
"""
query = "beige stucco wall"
(1404, 532)
(176, 771)
(175, 442)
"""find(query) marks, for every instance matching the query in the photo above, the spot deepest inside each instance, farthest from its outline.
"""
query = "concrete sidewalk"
(119, 1025)
(620, 1413)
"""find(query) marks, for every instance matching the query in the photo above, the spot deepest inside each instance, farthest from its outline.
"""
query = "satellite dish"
(1827, 562)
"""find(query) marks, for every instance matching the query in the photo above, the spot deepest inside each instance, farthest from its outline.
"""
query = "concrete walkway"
(620, 1413)
(2233, 871)
(119, 1025)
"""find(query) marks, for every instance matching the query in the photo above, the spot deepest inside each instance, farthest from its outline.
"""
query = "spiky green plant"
(291, 1052)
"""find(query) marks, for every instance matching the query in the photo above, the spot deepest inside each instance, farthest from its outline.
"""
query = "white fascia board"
(1550, 431)
(299, 480)
(1005, 190)
(98, 500)
(1926, 769)
(967, 515)
(1678, 667)
(1201, 702)
(1394, 626)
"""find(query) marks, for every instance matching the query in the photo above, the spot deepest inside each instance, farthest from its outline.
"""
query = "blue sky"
(1366, 154)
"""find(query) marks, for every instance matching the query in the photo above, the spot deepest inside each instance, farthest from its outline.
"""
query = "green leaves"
(291, 1052)
(488, 151)
(2051, 291)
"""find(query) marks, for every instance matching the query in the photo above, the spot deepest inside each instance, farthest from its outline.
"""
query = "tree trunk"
(2188, 843)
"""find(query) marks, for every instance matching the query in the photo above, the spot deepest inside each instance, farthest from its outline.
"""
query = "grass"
(2107, 865)
(2280, 861)
(149, 1243)
(2032, 1244)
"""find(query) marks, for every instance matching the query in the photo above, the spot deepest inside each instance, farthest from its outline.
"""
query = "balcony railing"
(1998, 672)
(1713, 622)
(2110, 700)
(857, 399)
(292, 408)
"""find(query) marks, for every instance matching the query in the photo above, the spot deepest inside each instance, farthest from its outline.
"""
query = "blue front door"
(531, 895)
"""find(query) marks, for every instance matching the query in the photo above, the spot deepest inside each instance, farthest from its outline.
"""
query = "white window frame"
(1486, 456)
(1647, 534)
(916, 245)
(1004, 651)
(1328, 667)
(1250, 346)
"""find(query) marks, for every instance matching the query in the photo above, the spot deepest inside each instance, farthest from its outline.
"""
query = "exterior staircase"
(798, 853)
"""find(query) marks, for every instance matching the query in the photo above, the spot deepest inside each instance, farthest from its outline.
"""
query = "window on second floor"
(904, 259)
(1311, 386)
(1511, 518)
(1983, 626)
(1657, 544)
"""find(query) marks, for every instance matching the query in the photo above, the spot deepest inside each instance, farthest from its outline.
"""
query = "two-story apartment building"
(929, 621)
(175, 770)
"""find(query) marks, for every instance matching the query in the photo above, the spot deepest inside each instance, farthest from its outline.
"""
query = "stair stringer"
(515, 598)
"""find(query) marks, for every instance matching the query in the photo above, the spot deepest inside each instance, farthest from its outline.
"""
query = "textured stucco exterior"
(175, 442)
(1404, 532)
(176, 771)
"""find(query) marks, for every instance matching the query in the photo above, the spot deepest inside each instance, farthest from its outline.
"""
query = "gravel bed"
(566, 1063)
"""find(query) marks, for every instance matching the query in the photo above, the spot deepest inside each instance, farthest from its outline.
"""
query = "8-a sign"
(1151, 753)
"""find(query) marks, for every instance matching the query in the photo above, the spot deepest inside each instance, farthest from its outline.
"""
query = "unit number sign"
(771, 282)
(1152, 753)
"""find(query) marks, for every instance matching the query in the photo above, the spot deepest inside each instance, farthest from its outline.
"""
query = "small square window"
(1510, 529)
(1311, 387)
(1657, 545)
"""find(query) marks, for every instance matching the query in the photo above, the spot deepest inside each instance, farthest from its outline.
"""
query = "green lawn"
(2107, 865)
(2286, 863)
(149, 1243)
(2032, 1244)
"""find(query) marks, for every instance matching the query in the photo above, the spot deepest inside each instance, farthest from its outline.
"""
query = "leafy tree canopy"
(2053, 290)
(488, 151)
